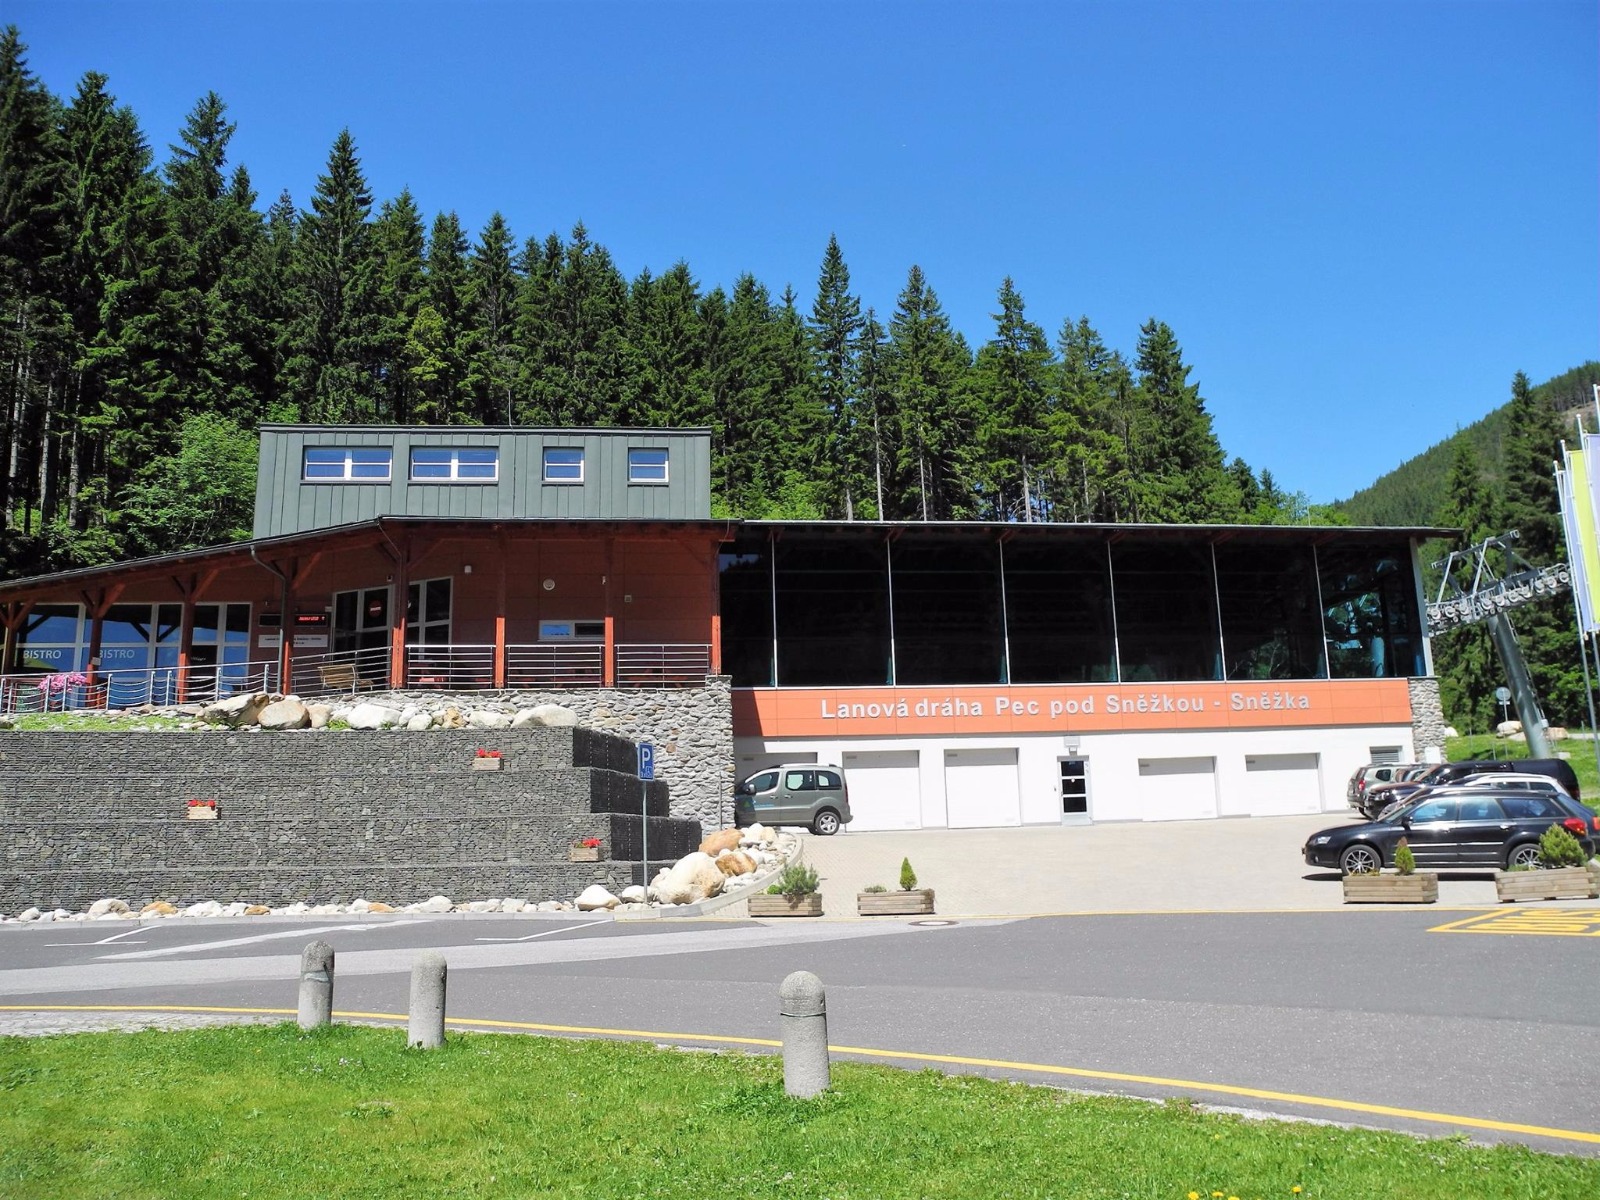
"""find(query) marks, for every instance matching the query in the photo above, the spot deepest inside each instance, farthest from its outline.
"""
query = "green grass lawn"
(1486, 745)
(350, 1112)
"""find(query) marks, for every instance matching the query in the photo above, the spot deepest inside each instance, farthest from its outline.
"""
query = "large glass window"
(1058, 611)
(1268, 599)
(947, 626)
(563, 464)
(1166, 610)
(646, 465)
(361, 619)
(428, 613)
(833, 611)
(50, 641)
(745, 587)
(1371, 619)
(361, 464)
(446, 465)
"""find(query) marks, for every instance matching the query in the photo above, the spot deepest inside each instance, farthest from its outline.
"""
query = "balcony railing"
(542, 666)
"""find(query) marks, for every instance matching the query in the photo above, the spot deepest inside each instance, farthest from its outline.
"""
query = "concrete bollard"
(803, 1010)
(426, 1031)
(316, 985)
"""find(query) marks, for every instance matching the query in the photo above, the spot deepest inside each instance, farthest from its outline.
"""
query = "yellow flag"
(1588, 542)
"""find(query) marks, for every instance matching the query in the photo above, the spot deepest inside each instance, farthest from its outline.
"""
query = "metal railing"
(72, 691)
(555, 665)
(679, 664)
(450, 668)
(340, 672)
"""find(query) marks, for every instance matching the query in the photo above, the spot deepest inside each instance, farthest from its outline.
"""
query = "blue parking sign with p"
(647, 761)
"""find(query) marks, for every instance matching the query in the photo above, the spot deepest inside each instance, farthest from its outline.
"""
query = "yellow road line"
(1188, 1085)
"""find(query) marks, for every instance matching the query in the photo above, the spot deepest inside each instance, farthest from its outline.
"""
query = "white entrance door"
(1280, 784)
(980, 788)
(1177, 789)
(885, 789)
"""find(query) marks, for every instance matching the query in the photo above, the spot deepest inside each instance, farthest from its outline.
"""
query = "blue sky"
(1360, 219)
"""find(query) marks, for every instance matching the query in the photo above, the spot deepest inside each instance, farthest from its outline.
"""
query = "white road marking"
(531, 936)
(106, 941)
(195, 947)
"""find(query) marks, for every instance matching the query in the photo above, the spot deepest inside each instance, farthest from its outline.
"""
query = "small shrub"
(875, 888)
(796, 881)
(1558, 848)
(1404, 861)
(908, 877)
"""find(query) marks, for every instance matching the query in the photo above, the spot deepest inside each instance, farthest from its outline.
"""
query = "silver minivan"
(794, 794)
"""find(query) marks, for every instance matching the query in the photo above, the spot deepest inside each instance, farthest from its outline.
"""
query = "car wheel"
(826, 824)
(1360, 859)
(1526, 854)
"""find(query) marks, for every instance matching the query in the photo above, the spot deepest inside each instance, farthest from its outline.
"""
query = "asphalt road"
(1365, 1017)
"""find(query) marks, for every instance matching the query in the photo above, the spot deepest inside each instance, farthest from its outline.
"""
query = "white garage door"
(1177, 789)
(1278, 785)
(885, 789)
(980, 788)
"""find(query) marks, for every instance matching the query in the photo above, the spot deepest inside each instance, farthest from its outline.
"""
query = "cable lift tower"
(1473, 592)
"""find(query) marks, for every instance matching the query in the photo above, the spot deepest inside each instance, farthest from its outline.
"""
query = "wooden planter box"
(916, 903)
(577, 853)
(201, 812)
(1564, 883)
(486, 764)
(763, 905)
(1385, 888)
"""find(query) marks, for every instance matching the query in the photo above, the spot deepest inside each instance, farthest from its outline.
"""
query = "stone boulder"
(726, 839)
(235, 711)
(378, 906)
(1557, 733)
(434, 904)
(554, 715)
(287, 713)
(319, 715)
(486, 718)
(735, 862)
(101, 907)
(757, 835)
(452, 718)
(595, 897)
(633, 894)
(693, 877)
(157, 908)
(419, 722)
(256, 910)
(372, 716)
(1508, 728)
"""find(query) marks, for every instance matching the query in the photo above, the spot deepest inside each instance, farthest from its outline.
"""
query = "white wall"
(1114, 780)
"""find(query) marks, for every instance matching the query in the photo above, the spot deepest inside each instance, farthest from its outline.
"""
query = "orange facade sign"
(1067, 708)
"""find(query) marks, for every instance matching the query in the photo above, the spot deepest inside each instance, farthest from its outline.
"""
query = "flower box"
(1564, 883)
(763, 905)
(1420, 887)
(201, 810)
(916, 903)
(486, 764)
(585, 850)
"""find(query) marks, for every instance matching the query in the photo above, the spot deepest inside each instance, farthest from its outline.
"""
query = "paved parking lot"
(1233, 864)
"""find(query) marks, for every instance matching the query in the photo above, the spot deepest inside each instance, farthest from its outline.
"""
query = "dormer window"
(351, 464)
(446, 465)
(563, 464)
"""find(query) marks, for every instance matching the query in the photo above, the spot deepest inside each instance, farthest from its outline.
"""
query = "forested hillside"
(156, 312)
(1415, 492)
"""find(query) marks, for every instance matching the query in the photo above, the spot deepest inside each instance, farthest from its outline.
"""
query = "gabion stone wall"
(321, 816)
(1427, 714)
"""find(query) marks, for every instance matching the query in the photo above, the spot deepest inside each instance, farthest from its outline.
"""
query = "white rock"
(634, 894)
(596, 897)
(298, 909)
(101, 907)
(372, 716)
(1450, 731)
(550, 906)
(483, 906)
(236, 909)
(554, 715)
(524, 718)
(284, 714)
(484, 718)
(327, 910)
(235, 711)
(512, 904)
(319, 715)
(1508, 728)
(206, 908)
(360, 906)
(419, 722)
(29, 914)
(693, 877)
(434, 904)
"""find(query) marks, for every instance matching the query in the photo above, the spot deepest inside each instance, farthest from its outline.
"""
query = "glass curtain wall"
(1370, 620)
(947, 610)
(1268, 600)
(744, 569)
(833, 611)
(1058, 611)
(1166, 610)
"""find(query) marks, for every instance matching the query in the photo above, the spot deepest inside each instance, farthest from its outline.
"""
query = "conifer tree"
(439, 342)
(876, 418)
(1469, 669)
(1016, 399)
(397, 248)
(667, 343)
(835, 329)
(1176, 455)
(927, 366)
(492, 285)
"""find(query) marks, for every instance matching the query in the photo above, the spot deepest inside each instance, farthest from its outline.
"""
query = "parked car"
(1455, 827)
(794, 794)
(1503, 780)
(1372, 774)
(1381, 797)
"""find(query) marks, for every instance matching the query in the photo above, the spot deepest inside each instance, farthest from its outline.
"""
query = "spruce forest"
(155, 312)
(155, 315)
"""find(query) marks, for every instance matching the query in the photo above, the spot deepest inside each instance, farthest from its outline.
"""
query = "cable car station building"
(965, 674)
